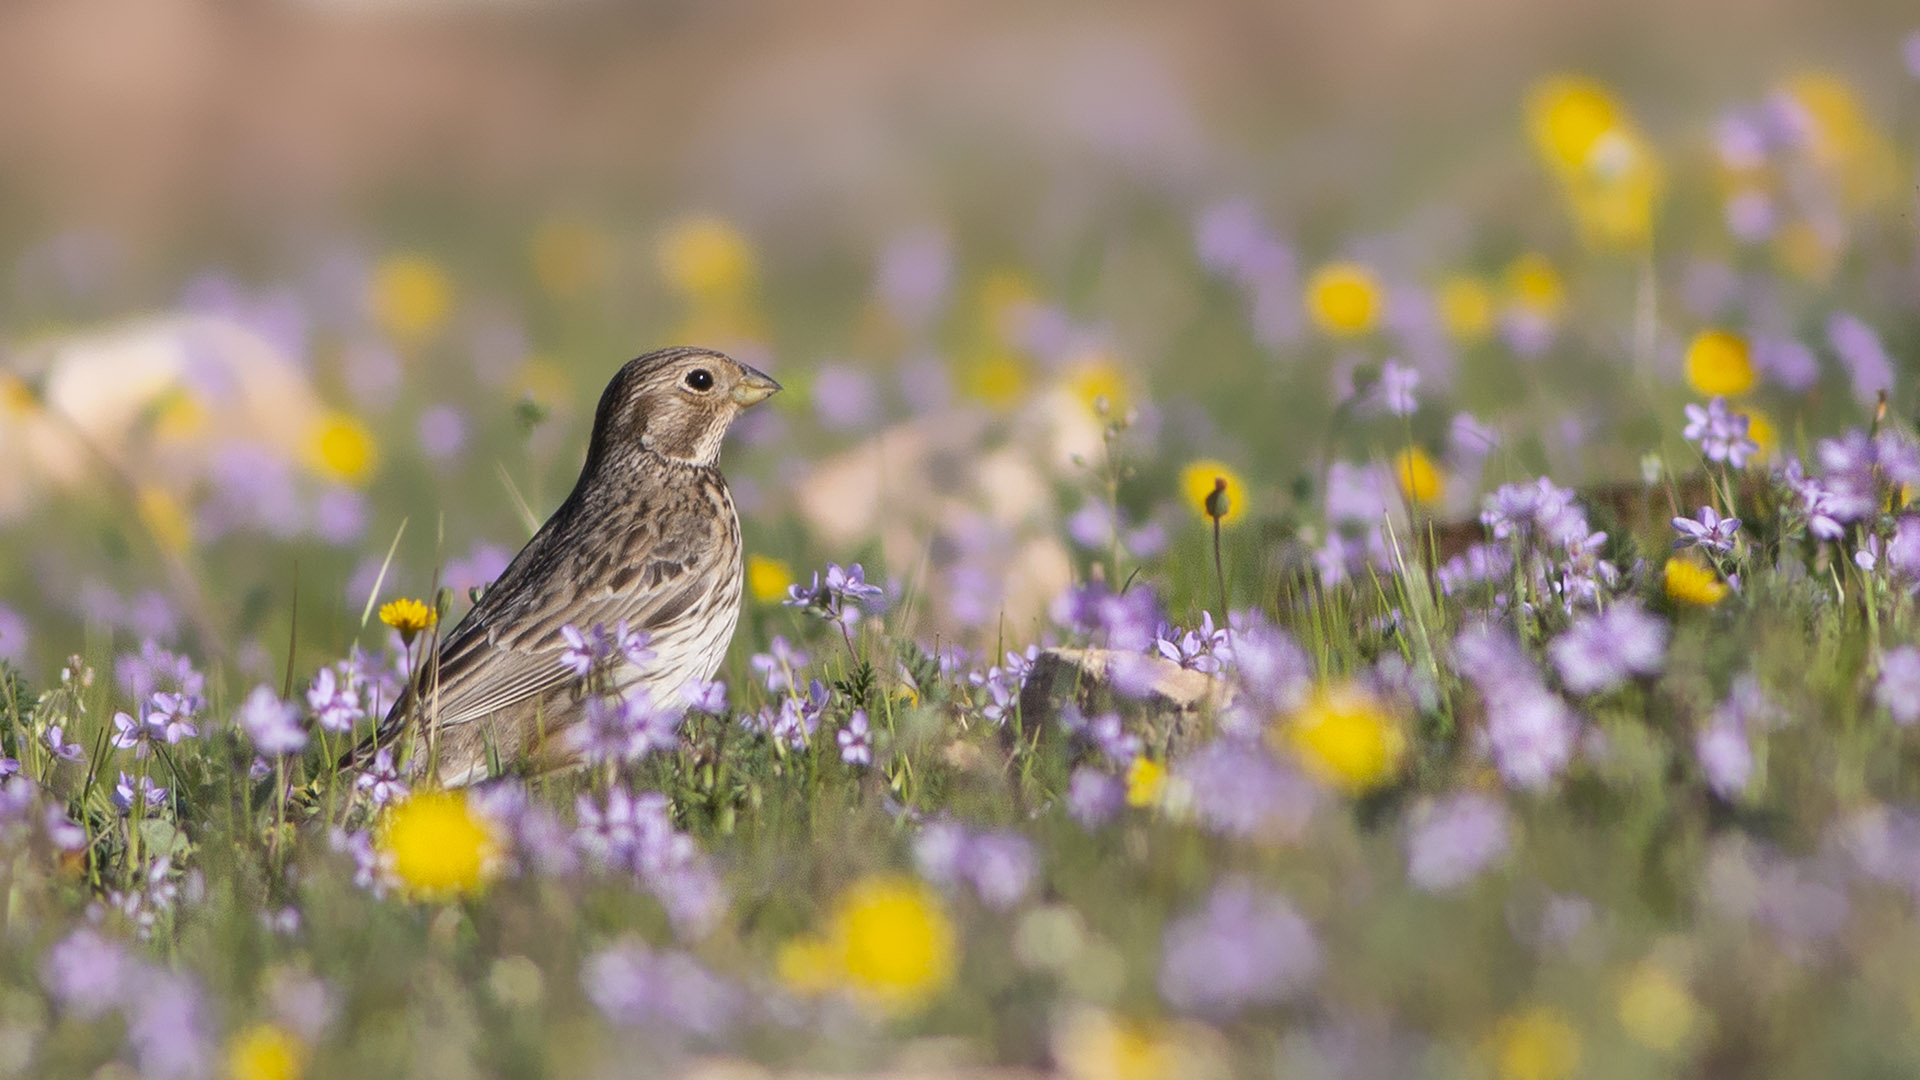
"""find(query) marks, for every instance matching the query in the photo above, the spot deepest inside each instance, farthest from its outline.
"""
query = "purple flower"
(381, 780)
(1910, 52)
(86, 973)
(914, 275)
(13, 636)
(272, 724)
(1897, 690)
(133, 734)
(1239, 789)
(443, 432)
(633, 986)
(1126, 621)
(1397, 386)
(1531, 734)
(856, 747)
(780, 666)
(1787, 362)
(1721, 435)
(143, 793)
(844, 397)
(335, 700)
(840, 598)
(1862, 354)
(1244, 949)
(597, 649)
(1706, 529)
(1269, 667)
(625, 729)
(66, 751)
(154, 668)
(705, 697)
(1093, 797)
(1451, 840)
(1725, 757)
(167, 1027)
(1600, 652)
(1195, 650)
(999, 865)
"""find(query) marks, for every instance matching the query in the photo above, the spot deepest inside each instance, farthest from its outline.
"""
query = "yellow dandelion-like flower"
(412, 296)
(1346, 737)
(341, 448)
(1419, 478)
(1344, 299)
(1761, 429)
(439, 845)
(1536, 1043)
(706, 258)
(1097, 380)
(1687, 582)
(768, 579)
(808, 965)
(1567, 117)
(568, 257)
(1198, 482)
(895, 944)
(1095, 1046)
(1534, 286)
(1655, 1008)
(409, 616)
(995, 376)
(1146, 782)
(166, 520)
(266, 1052)
(1466, 308)
(1719, 364)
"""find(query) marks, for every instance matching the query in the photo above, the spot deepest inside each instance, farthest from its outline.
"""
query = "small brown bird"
(648, 538)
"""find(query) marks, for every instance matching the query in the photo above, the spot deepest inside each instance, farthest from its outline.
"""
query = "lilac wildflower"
(1093, 797)
(633, 986)
(87, 973)
(1196, 650)
(1860, 351)
(856, 744)
(1600, 652)
(1897, 689)
(705, 697)
(66, 751)
(1451, 840)
(133, 734)
(1397, 386)
(1240, 790)
(1708, 530)
(143, 793)
(1245, 948)
(1725, 757)
(381, 780)
(1721, 435)
(1531, 734)
(167, 1028)
(780, 666)
(625, 729)
(597, 649)
(272, 724)
(335, 700)
(840, 598)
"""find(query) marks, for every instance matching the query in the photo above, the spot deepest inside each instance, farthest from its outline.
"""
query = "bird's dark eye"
(700, 379)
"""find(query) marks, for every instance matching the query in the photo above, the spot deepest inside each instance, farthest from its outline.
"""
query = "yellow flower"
(1534, 286)
(1567, 116)
(1466, 308)
(1845, 142)
(408, 616)
(1419, 479)
(341, 448)
(1655, 1009)
(896, 948)
(1198, 481)
(412, 296)
(1343, 299)
(706, 258)
(1345, 737)
(1718, 364)
(567, 257)
(1761, 430)
(266, 1052)
(1688, 582)
(1146, 782)
(1098, 378)
(165, 519)
(1092, 1045)
(767, 579)
(1536, 1043)
(439, 845)
(995, 376)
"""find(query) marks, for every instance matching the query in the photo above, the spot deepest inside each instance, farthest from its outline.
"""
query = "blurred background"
(283, 276)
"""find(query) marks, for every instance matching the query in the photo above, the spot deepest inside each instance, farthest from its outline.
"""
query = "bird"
(648, 539)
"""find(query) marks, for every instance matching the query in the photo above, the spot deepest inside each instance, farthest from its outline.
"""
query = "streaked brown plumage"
(649, 536)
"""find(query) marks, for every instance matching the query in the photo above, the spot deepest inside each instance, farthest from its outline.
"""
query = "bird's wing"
(512, 654)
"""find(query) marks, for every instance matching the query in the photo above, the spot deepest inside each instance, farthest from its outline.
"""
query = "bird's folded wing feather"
(508, 653)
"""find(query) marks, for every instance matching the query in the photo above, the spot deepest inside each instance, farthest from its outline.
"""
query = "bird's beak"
(756, 387)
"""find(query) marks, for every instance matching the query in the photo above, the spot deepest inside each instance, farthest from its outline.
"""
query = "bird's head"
(677, 403)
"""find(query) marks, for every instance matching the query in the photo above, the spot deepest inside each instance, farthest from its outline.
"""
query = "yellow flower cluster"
(768, 578)
(1689, 583)
(1536, 1043)
(1607, 169)
(412, 297)
(889, 943)
(1344, 299)
(439, 845)
(408, 616)
(266, 1052)
(1345, 737)
(1420, 480)
(341, 449)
